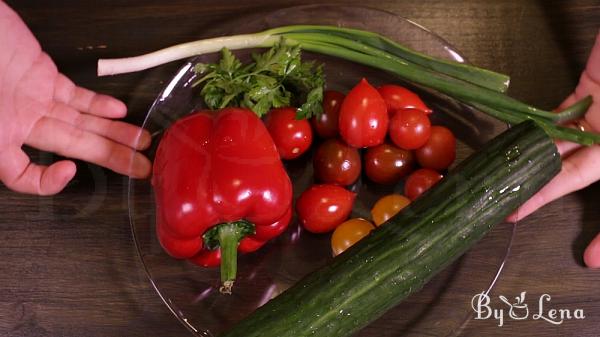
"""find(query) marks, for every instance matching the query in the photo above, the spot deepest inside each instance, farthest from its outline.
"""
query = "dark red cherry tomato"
(387, 164)
(291, 136)
(420, 181)
(322, 208)
(336, 163)
(397, 97)
(363, 118)
(326, 124)
(410, 128)
(440, 150)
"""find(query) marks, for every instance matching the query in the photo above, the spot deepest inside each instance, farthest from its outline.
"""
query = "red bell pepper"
(219, 187)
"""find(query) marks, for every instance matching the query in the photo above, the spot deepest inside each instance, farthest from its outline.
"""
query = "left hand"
(42, 108)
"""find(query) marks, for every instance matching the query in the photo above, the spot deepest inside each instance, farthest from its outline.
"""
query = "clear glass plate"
(442, 308)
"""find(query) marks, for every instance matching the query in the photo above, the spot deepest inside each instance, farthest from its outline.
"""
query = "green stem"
(471, 85)
(575, 111)
(556, 131)
(479, 76)
(227, 236)
(463, 91)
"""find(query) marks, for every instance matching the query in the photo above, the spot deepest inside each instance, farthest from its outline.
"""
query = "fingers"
(570, 100)
(591, 256)
(70, 100)
(57, 136)
(578, 171)
(566, 148)
(124, 133)
(19, 174)
(589, 84)
(593, 64)
(86, 100)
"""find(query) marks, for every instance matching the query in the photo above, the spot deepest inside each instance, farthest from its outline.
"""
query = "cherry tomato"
(336, 163)
(291, 136)
(322, 208)
(397, 97)
(440, 150)
(363, 120)
(387, 164)
(326, 124)
(349, 233)
(420, 181)
(387, 207)
(410, 128)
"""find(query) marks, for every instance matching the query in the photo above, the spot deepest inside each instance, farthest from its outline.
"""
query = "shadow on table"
(574, 29)
(589, 222)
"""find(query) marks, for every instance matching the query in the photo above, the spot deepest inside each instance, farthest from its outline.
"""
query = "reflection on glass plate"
(442, 308)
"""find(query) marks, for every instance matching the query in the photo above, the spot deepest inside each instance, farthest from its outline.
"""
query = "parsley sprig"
(277, 78)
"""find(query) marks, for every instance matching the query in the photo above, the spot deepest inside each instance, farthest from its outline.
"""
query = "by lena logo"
(519, 310)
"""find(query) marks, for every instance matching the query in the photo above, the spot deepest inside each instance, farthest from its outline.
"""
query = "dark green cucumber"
(399, 257)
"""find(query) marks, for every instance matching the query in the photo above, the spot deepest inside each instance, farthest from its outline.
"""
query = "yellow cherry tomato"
(387, 207)
(348, 233)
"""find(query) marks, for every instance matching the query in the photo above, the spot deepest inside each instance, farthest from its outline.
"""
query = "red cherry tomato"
(420, 181)
(322, 208)
(326, 124)
(363, 118)
(387, 164)
(410, 128)
(440, 150)
(397, 97)
(336, 163)
(291, 136)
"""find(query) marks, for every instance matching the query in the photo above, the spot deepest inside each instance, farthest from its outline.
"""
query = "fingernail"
(69, 172)
(141, 166)
(591, 256)
(144, 140)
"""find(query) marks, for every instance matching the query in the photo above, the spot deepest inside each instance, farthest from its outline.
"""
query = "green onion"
(463, 91)
(182, 51)
(556, 131)
(480, 88)
(482, 77)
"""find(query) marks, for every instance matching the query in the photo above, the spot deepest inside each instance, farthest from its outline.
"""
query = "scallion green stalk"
(460, 90)
(480, 88)
(556, 131)
(482, 77)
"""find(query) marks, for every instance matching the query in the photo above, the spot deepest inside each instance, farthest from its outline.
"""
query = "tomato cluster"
(390, 127)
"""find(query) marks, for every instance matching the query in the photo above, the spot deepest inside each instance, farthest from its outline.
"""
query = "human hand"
(42, 108)
(581, 165)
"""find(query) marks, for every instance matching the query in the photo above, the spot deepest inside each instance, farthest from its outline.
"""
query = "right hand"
(581, 165)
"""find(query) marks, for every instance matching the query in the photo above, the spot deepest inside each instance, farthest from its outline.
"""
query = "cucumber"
(398, 258)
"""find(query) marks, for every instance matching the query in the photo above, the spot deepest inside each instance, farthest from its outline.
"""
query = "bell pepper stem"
(227, 236)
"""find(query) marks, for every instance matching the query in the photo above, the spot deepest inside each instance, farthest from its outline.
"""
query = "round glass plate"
(441, 308)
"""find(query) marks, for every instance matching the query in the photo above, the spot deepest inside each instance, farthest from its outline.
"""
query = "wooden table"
(69, 267)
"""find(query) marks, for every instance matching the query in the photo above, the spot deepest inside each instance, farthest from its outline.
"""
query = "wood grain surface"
(69, 266)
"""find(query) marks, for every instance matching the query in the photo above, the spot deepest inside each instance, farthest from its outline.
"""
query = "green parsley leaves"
(276, 78)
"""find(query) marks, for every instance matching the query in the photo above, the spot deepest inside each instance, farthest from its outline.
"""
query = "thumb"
(21, 175)
(591, 256)
(578, 171)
